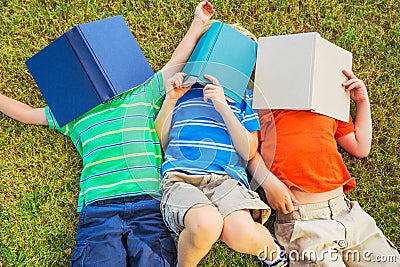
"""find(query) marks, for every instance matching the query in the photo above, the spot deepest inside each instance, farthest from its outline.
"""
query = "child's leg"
(99, 236)
(243, 234)
(333, 233)
(189, 213)
(367, 245)
(240, 230)
(203, 226)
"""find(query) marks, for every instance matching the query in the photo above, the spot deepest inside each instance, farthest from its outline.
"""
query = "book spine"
(312, 72)
(210, 48)
(202, 52)
(90, 63)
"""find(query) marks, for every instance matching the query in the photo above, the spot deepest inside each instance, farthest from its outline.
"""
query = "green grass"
(39, 169)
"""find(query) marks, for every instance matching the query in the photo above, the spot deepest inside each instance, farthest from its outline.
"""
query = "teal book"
(226, 54)
(88, 65)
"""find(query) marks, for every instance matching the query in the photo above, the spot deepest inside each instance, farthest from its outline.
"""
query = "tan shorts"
(182, 191)
(334, 233)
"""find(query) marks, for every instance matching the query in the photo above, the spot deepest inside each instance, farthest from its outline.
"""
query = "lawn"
(39, 168)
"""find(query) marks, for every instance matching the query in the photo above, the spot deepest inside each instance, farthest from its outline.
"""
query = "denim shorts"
(123, 232)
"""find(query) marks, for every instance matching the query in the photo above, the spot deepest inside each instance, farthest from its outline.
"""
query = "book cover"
(302, 72)
(226, 54)
(88, 65)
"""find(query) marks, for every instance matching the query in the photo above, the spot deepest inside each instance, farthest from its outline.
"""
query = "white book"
(302, 72)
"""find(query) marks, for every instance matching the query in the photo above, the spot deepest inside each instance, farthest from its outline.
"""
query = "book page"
(283, 72)
(329, 97)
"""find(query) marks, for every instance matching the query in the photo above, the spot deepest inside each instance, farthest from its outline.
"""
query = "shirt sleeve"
(53, 122)
(344, 128)
(266, 118)
(156, 85)
(249, 117)
(157, 91)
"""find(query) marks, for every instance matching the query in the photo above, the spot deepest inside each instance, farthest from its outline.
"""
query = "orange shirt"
(301, 150)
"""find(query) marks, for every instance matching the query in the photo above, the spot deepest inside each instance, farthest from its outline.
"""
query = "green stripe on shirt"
(119, 145)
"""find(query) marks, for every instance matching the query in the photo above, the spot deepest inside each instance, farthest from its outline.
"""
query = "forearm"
(278, 194)
(22, 112)
(245, 143)
(164, 120)
(259, 171)
(363, 126)
(184, 49)
(358, 143)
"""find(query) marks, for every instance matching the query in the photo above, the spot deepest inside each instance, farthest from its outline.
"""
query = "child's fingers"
(349, 74)
(289, 206)
(353, 86)
(177, 80)
(180, 77)
(209, 95)
(356, 84)
(212, 79)
(347, 83)
(209, 8)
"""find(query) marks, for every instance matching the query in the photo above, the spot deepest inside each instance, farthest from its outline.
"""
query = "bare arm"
(278, 194)
(174, 91)
(358, 143)
(203, 13)
(238, 133)
(22, 112)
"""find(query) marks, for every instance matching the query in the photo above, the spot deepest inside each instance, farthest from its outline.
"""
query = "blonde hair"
(236, 26)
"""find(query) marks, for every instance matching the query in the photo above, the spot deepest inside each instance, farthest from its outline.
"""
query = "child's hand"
(279, 196)
(357, 88)
(204, 11)
(215, 92)
(174, 85)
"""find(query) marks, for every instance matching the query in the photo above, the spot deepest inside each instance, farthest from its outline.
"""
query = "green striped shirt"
(118, 144)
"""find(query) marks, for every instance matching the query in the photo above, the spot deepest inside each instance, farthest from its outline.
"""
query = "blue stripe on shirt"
(199, 142)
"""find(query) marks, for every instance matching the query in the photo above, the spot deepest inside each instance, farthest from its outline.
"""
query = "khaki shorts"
(333, 233)
(182, 191)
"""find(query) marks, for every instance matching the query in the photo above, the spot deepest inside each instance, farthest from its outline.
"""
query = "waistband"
(321, 210)
(123, 200)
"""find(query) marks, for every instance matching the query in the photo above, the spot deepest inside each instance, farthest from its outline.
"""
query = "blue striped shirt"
(199, 142)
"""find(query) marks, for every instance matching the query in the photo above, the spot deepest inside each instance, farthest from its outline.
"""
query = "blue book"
(226, 54)
(88, 65)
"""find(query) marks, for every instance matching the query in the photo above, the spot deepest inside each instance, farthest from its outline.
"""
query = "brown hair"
(236, 26)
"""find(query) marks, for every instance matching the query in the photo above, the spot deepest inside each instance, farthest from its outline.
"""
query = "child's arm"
(238, 133)
(22, 112)
(203, 13)
(174, 91)
(278, 194)
(358, 143)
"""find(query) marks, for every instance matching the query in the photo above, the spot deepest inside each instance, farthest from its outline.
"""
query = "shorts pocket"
(81, 217)
(394, 250)
(284, 232)
(78, 255)
(391, 244)
(168, 251)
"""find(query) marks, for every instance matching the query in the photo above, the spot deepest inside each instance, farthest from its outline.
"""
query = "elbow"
(252, 149)
(252, 154)
(362, 153)
(249, 156)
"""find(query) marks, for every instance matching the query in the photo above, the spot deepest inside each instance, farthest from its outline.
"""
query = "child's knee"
(204, 222)
(238, 224)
